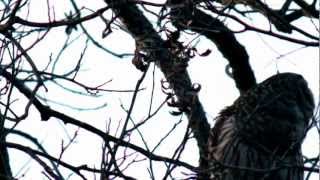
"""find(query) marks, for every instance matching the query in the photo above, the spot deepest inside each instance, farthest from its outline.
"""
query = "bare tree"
(35, 87)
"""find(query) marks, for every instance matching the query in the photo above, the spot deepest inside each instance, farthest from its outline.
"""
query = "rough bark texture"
(172, 67)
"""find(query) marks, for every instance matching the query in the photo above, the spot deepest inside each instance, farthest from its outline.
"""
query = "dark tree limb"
(5, 170)
(274, 17)
(188, 17)
(308, 9)
(150, 42)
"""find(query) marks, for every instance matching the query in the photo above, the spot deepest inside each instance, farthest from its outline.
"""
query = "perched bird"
(260, 135)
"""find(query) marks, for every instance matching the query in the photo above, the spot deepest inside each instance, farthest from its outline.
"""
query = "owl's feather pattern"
(260, 135)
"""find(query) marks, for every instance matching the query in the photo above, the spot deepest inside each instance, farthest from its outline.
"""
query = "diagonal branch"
(308, 9)
(188, 17)
(149, 41)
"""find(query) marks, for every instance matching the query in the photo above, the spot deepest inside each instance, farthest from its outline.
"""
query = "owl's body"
(260, 135)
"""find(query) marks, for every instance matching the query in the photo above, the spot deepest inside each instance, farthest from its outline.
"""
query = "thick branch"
(275, 18)
(5, 170)
(308, 9)
(177, 76)
(216, 31)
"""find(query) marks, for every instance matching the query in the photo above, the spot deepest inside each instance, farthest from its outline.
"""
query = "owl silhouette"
(260, 135)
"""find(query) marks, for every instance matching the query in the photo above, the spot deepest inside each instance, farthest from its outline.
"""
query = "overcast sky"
(268, 56)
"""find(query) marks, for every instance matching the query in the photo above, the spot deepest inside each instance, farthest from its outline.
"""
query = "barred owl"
(260, 135)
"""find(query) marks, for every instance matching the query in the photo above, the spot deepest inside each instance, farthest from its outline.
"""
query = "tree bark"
(176, 75)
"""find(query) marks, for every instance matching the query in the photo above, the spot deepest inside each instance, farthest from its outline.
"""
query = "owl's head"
(275, 111)
(295, 86)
